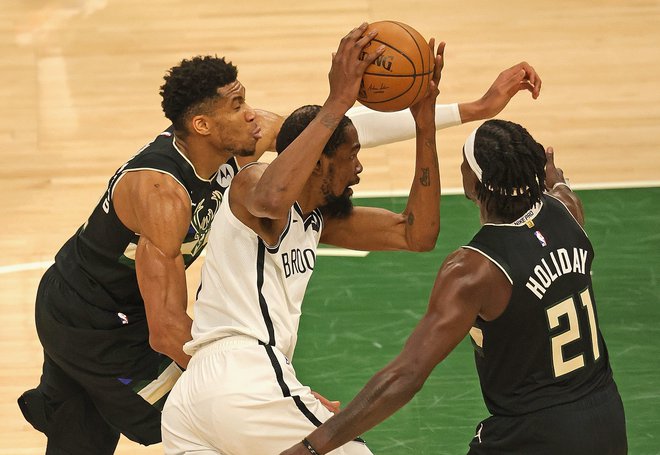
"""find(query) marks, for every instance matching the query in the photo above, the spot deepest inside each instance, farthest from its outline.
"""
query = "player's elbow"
(158, 342)
(427, 244)
(271, 204)
(426, 240)
(403, 384)
(162, 339)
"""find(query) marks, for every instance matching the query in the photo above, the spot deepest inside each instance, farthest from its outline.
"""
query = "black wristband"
(309, 447)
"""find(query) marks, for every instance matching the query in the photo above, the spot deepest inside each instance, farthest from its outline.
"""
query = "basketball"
(400, 76)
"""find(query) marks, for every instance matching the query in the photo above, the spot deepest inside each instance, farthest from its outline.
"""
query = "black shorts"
(593, 425)
(100, 376)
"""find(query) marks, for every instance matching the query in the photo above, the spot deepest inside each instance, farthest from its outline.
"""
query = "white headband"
(468, 148)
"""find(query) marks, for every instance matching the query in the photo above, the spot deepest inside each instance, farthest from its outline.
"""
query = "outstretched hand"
(424, 109)
(509, 82)
(349, 64)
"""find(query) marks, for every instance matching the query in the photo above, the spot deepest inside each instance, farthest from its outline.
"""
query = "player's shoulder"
(468, 264)
(152, 185)
(248, 174)
(462, 261)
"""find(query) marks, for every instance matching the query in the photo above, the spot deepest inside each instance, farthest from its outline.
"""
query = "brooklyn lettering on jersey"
(298, 261)
(560, 262)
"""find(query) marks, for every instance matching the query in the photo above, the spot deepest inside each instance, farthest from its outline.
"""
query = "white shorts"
(239, 397)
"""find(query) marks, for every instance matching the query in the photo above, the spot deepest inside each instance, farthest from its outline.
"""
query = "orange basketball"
(399, 77)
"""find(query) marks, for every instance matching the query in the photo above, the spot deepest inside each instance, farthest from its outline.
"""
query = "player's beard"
(338, 206)
(242, 148)
(243, 152)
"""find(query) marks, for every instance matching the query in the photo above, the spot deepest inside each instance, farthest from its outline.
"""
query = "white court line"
(575, 186)
(24, 267)
(5, 269)
(341, 252)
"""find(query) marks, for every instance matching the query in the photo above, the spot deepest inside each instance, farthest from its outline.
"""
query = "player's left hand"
(332, 406)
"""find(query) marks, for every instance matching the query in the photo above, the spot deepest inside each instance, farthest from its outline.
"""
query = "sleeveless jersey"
(546, 348)
(98, 262)
(251, 288)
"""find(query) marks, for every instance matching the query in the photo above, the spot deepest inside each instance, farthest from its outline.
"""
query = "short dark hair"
(298, 121)
(191, 84)
(513, 167)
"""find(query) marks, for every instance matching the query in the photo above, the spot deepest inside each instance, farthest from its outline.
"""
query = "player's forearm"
(379, 128)
(284, 178)
(171, 343)
(270, 124)
(389, 390)
(473, 111)
(562, 191)
(163, 287)
(423, 208)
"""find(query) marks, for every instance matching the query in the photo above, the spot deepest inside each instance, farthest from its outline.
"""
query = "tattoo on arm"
(425, 179)
(411, 218)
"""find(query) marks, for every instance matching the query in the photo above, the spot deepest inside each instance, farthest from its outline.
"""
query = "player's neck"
(310, 198)
(494, 218)
(205, 160)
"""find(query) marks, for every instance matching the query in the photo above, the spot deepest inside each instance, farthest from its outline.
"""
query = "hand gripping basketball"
(400, 76)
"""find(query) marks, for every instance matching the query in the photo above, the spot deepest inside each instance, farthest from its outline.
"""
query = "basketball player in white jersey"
(240, 394)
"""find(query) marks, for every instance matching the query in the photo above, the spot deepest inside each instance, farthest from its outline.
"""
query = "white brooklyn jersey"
(251, 288)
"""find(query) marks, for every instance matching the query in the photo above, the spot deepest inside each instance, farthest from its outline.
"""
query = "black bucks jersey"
(99, 260)
(546, 348)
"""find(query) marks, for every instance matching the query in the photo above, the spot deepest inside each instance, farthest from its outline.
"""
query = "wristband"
(309, 447)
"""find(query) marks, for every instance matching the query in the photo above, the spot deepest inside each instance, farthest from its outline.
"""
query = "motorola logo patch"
(225, 174)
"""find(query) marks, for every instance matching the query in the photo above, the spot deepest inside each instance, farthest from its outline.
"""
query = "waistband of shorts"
(224, 344)
(602, 396)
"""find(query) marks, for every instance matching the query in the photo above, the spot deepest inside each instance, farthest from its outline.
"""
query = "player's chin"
(349, 190)
(248, 151)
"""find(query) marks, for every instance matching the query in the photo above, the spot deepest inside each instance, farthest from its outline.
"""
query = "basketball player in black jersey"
(111, 312)
(522, 289)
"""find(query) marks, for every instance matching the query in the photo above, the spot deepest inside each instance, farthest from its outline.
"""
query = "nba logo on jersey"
(541, 238)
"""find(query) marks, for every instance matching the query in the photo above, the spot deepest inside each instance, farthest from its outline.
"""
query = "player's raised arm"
(281, 183)
(417, 227)
(379, 128)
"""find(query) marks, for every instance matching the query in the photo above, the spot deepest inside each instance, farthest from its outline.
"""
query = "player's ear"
(318, 169)
(200, 124)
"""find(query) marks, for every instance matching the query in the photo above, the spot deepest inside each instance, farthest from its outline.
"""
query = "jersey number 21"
(569, 308)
